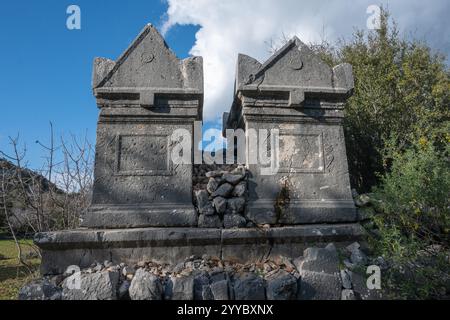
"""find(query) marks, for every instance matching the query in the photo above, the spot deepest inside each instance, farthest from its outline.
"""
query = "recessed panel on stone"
(142, 155)
(301, 153)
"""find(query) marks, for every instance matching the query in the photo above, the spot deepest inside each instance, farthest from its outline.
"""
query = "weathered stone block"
(212, 185)
(220, 204)
(319, 273)
(240, 189)
(123, 293)
(96, 286)
(145, 286)
(281, 286)
(201, 285)
(219, 290)
(361, 290)
(236, 205)
(223, 190)
(41, 289)
(233, 178)
(320, 260)
(182, 288)
(319, 286)
(143, 97)
(346, 277)
(172, 245)
(348, 295)
(248, 286)
(299, 95)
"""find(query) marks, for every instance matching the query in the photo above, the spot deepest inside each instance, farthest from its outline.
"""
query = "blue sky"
(45, 69)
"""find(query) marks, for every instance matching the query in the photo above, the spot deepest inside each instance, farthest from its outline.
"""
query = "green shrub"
(413, 226)
(402, 93)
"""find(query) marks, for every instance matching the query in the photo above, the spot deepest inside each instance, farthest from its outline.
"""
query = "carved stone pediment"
(147, 68)
(295, 69)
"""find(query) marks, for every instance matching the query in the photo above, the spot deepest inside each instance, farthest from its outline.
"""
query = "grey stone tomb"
(298, 94)
(142, 207)
(143, 97)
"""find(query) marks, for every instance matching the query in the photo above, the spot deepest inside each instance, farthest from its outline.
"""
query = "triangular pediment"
(148, 63)
(147, 67)
(294, 65)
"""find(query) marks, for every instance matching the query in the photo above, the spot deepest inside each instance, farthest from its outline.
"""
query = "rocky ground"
(321, 273)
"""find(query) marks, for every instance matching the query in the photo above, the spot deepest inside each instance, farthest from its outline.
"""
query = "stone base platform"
(140, 216)
(303, 212)
(82, 247)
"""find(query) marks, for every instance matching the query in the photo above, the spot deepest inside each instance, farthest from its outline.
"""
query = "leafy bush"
(414, 222)
(402, 93)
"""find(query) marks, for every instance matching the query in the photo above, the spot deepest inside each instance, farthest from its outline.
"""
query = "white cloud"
(236, 26)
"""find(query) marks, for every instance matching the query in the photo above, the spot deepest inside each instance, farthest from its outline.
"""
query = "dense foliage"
(397, 135)
(401, 96)
(414, 222)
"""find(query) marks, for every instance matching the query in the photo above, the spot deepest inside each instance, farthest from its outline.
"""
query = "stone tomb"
(142, 206)
(302, 97)
(143, 97)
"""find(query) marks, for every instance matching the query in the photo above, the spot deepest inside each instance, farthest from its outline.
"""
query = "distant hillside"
(11, 171)
(35, 190)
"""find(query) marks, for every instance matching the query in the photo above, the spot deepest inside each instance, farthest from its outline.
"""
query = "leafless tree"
(273, 45)
(53, 197)
(324, 48)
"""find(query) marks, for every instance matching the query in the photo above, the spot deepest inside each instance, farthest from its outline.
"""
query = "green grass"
(12, 274)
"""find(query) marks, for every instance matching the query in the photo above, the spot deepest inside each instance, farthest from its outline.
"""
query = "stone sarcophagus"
(143, 97)
(299, 98)
(142, 207)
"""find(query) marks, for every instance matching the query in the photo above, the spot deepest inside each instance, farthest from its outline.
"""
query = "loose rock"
(123, 290)
(95, 286)
(219, 290)
(319, 273)
(182, 288)
(127, 270)
(213, 174)
(145, 286)
(236, 205)
(319, 286)
(281, 286)
(352, 247)
(223, 191)
(240, 170)
(212, 185)
(358, 257)
(346, 277)
(201, 197)
(40, 289)
(220, 204)
(362, 200)
(232, 178)
(240, 189)
(360, 288)
(248, 286)
(201, 284)
(348, 295)
(319, 260)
